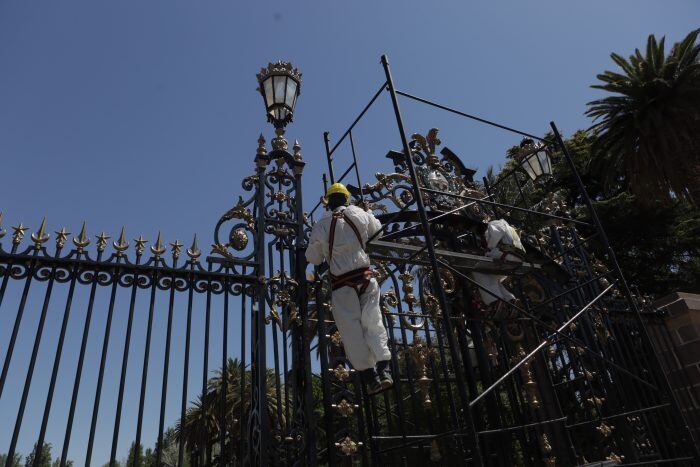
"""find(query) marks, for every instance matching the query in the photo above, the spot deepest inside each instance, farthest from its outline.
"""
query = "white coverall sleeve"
(373, 225)
(314, 252)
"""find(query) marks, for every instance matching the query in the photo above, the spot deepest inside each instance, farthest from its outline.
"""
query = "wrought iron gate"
(569, 378)
(253, 408)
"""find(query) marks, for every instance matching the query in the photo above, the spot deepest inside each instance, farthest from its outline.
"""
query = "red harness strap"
(358, 279)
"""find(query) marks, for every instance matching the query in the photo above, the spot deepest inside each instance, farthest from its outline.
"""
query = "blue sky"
(145, 114)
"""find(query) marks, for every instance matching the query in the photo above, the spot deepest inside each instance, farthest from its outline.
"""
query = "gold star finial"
(61, 237)
(177, 246)
(140, 245)
(102, 241)
(19, 233)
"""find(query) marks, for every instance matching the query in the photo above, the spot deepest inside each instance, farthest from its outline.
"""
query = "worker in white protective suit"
(503, 243)
(339, 238)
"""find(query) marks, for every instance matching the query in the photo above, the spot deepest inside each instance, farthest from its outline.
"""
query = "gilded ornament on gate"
(449, 283)
(604, 429)
(427, 144)
(61, 237)
(102, 241)
(239, 239)
(336, 338)
(176, 247)
(41, 236)
(193, 251)
(261, 145)
(341, 372)
(345, 408)
(158, 249)
(420, 353)
(121, 244)
(82, 240)
(347, 446)
(239, 211)
(140, 245)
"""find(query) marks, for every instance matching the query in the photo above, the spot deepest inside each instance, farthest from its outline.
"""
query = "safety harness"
(358, 279)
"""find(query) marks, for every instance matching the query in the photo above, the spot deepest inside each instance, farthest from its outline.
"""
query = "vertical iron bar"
(304, 363)
(81, 360)
(32, 362)
(8, 269)
(59, 350)
(397, 388)
(125, 363)
(18, 320)
(258, 437)
(224, 380)
(103, 362)
(241, 417)
(186, 365)
(357, 170)
(205, 365)
(323, 345)
(625, 289)
(275, 347)
(166, 366)
(146, 356)
(476, 451)
(329, 158)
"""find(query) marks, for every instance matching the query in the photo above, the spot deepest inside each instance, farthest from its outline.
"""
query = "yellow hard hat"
(338, 188)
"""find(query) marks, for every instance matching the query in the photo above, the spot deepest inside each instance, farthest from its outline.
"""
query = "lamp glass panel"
(291, 93)
(535, 161)
(545, 162)
(527, 165)
(267, 89)
(278, 83)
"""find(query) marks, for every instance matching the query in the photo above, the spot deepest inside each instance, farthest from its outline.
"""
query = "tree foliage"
(648, 130)
(201, 426)
(16, 461)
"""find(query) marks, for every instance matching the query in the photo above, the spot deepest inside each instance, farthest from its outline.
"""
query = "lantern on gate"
(534, 159)
(279, 85)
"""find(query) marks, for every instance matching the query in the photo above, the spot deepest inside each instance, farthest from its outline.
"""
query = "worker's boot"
(384, 370)
(371, 380)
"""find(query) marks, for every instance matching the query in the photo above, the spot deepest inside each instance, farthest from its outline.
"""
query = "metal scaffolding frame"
(430, 256)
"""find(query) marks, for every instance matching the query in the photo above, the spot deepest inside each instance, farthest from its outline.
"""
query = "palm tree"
(649, 129)
(201, 426)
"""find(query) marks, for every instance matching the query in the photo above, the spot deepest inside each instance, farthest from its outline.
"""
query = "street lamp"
(534, 159)
(279, 85)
